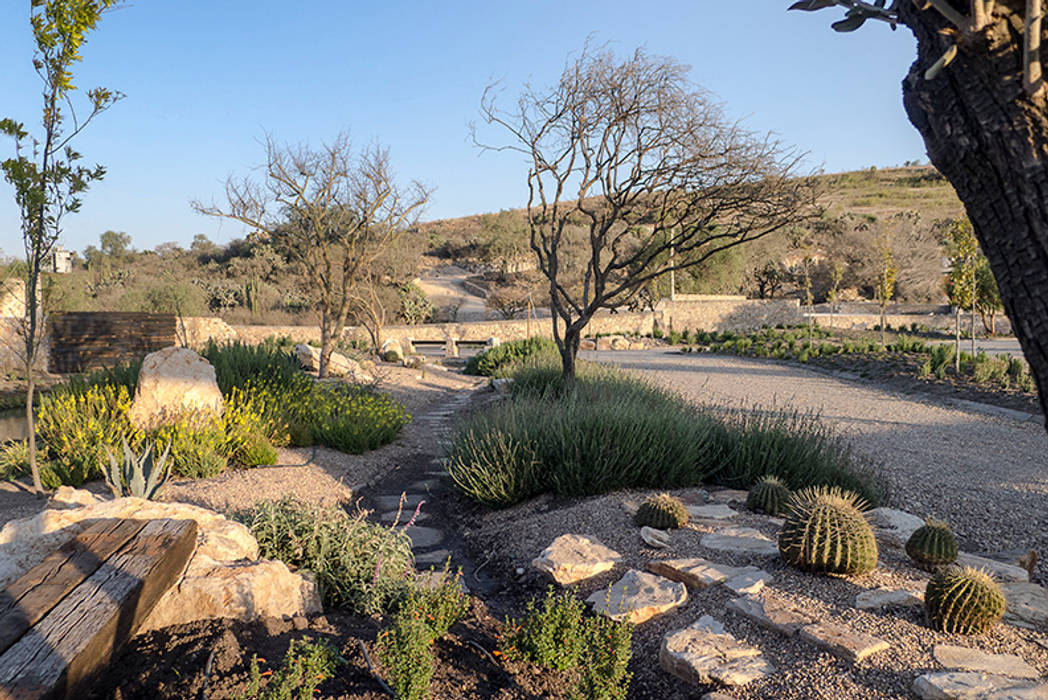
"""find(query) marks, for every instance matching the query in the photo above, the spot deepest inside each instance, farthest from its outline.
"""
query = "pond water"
(13, 425)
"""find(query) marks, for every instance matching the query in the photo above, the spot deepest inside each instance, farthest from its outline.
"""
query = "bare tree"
(635, 161)
(330, 211)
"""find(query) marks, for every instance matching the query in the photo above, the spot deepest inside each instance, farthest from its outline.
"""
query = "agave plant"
(141, 477)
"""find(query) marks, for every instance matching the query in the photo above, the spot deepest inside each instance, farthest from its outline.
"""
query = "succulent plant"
(661, 512)
(141, 477)
(932, 545)
(769, 495)
(825, 531)
(963, 601)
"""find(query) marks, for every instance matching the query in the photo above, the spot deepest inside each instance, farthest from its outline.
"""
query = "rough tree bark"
(990, 140)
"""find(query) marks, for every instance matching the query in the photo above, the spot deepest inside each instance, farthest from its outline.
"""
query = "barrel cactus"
(661, 512)
(963, 601)
(826, 532)
(932, 545)
(769, 495)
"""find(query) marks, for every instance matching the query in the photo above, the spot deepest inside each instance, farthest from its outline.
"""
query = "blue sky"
(206, 80)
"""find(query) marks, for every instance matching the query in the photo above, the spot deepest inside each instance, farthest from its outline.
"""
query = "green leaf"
(812, 5)
(850, 23)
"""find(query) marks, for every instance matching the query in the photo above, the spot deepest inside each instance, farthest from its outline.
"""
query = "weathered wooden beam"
(83, 632)
(44, 586)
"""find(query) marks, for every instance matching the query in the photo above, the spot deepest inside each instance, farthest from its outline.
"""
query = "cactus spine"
(661, 512)
(769, 495)
(963, 601)
(932, 545)
(826, 532)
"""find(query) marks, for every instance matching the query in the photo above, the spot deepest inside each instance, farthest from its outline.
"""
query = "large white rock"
(893, 526)
(975, 686)
(638, 596)
(998, 569)
(391, 351)
(338, 365)
(173, 382)
(968, 659)
(697, 572)
(1027, 605)
(573, 558)
(705, 653)
(224, 576)
(741, 540)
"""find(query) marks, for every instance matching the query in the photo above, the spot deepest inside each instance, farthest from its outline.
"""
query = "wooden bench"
(67, 617)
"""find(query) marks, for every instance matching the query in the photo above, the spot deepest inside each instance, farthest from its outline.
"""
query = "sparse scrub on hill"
(611, 430)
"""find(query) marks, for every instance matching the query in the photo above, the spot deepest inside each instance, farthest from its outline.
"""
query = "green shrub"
(497, 361)
(351, 418)
(442, 602)
(359, 566)
(552, 635)
(405, 649)
(125, 375)
(238, 364)
(306, 665)
(605, 658)
(198, 446)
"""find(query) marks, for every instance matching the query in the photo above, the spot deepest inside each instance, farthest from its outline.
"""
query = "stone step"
(389, 517)
(423, 537)
(432, 558)
(390, 502)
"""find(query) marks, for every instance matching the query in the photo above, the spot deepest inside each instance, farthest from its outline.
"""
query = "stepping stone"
(638, 596)
(967, 659)
(953, 685)
(428, 485)
(405, 515)
(705, 653)
(772, 612)
(573, 558)
(998, 569)
(741, 540)
(729, 495)
(749, 583)
(387, 503)
(1027, 605)
(655, 538)
(893, 526)
(424, 537)
(887, 598)
(716, 511)
(437, 557)
(697, 572)
(841, 641)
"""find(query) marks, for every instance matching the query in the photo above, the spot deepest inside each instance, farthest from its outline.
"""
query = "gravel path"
(986, 475)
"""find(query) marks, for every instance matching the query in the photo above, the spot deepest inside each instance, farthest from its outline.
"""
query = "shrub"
(551, 635)
(351, 418)
(497, 361)
(238, 364)
(442, 602)
(405, 649)
(198, 446)
(306, 665)
(963, 601)
(826, 532)
(359, 566)
(662, 512)
(605, 658)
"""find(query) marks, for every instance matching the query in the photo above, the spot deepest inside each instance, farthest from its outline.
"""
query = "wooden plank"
(83, 632)
(44, 586)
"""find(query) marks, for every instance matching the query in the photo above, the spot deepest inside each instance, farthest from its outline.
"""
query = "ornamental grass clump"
(359, 566)
(963, 601)
(826, 532)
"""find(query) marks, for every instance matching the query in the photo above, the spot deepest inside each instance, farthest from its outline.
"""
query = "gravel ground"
(985, 475)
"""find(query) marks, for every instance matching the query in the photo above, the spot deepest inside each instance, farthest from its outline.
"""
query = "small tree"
(987, 295)
(834, 292)
(330, 211)
(887, 272)
(964, 261)
(45, 173)
(627, 161)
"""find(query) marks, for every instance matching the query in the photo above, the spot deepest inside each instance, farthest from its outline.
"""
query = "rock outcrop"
(173, 382)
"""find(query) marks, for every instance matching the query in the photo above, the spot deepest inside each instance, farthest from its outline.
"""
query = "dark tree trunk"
(569, 351)
(991, 142)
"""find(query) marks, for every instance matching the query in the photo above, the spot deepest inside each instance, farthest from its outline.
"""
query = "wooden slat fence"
(89, 340)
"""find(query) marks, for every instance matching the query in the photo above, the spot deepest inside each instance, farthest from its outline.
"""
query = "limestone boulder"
(224, 576)
(705, 653)
(893, 526)
(572, 558)
(338, 365)
(172, 382)
(587, 344)
(638, 596)
(391, 351)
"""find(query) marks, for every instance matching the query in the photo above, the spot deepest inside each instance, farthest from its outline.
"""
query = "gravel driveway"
(986, 475)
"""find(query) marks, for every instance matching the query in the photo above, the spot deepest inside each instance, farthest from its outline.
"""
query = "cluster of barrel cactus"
(826, 532)
(963, 601)
(932, 545)
(769, 495)
(662, 511)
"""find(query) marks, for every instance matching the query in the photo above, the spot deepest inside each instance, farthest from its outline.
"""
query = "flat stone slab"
(998, 569)
(386, 503)
(1027, 605)
(573, 558)
(658, 539)
(954, 685)
(887, 598)
(403, 516)
(772, 612)
(729, 495)
(697, 572)
(715, 511)
(424, 537)
(893, 526)
(841, 641)
(705, 653)
(435, 558)
(967, 659)
(638, 596)
(749, 583)
(741, 540)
